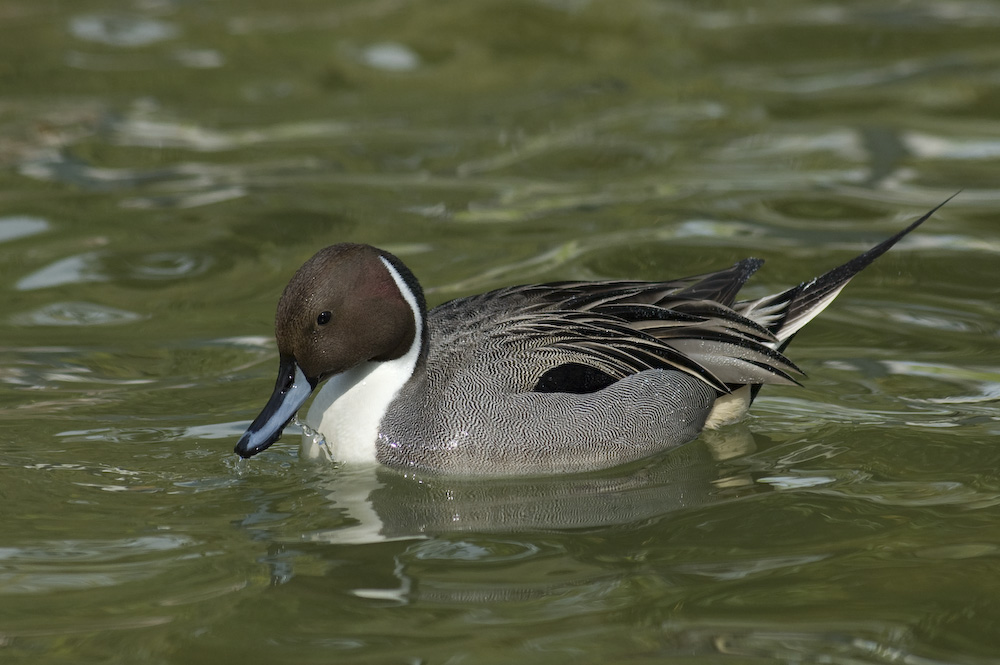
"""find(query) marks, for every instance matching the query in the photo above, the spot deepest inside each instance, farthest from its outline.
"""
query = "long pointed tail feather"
(785, 313)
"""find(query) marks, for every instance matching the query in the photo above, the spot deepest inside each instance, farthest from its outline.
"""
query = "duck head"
(342, 308)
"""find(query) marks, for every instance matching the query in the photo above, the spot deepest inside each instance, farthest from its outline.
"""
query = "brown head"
(342, 308)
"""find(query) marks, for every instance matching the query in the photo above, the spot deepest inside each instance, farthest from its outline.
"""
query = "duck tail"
(785, 313)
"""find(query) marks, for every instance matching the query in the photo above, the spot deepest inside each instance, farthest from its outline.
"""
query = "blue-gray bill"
(290, 392)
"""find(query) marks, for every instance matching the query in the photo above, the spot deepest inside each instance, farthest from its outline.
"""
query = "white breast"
(350, 406)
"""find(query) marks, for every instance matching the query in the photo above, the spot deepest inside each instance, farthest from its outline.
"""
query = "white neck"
(349, 408)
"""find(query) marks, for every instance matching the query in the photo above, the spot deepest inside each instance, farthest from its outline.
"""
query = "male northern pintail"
(533, 379)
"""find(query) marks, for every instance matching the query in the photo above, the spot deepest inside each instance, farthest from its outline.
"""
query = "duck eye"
(324, 318)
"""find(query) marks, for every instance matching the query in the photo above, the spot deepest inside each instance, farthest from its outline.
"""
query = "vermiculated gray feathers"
(534, 379)
(660, 352)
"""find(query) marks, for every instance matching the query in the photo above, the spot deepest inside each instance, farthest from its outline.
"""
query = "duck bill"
(290, 392)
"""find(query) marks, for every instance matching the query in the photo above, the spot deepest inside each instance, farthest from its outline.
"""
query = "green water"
(165, 166)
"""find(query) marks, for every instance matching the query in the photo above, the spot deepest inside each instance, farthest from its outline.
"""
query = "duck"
(527, 380)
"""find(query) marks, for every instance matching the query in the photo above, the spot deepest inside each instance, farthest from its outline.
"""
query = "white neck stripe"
(349, 408)
(411, 300)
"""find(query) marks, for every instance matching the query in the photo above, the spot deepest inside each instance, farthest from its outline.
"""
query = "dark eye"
(324, 318)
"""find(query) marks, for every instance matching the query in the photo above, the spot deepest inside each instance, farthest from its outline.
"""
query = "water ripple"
(121, 30)
(76, 269)
(76, 314)
(14, 227)
(740, 569)
(390, 57)
(170, 265)
(64, 565)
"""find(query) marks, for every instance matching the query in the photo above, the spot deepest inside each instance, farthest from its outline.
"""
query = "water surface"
(166, 166)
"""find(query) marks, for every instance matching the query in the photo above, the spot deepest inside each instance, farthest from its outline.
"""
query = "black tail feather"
(812, 292)
(785, 313)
